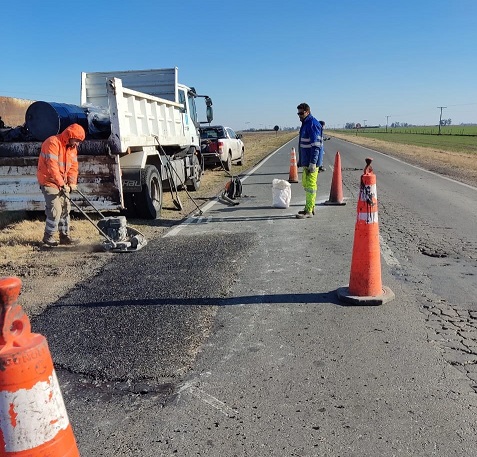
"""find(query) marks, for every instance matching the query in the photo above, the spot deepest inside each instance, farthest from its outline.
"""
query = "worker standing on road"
(58, 175)
(322, 150)
(309, 148)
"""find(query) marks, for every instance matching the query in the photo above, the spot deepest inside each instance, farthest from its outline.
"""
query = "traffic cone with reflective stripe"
(336, 191)
(293, 176)
(33, 418)
(365, 287)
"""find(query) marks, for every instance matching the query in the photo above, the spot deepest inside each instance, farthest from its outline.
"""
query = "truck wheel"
(240, 161)
(148, 202)
(228, 163)
(194, 181)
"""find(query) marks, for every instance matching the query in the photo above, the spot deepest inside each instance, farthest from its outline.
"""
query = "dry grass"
(461, 166)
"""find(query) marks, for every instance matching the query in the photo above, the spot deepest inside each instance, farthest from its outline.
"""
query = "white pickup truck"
(221, 144)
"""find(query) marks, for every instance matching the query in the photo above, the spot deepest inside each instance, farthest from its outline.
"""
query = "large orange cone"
(336, 191)
(365, 287)
(33, 419)
(293, 176)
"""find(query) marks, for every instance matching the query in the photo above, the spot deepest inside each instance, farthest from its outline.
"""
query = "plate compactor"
(119, 237)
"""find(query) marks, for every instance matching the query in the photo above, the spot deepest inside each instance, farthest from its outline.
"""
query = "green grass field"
(452, 138)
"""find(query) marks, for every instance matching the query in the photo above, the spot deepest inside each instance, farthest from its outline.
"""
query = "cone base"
(292, 180)
(328, 202)
(386, 296)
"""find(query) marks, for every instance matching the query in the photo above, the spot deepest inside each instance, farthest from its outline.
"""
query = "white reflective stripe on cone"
(370, 218)
(35, 416)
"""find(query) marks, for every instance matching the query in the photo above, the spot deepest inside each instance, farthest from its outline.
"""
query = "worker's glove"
(73, 187)
(312, 167)
(66, 189)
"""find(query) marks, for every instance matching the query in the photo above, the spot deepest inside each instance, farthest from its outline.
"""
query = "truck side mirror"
(210, 114)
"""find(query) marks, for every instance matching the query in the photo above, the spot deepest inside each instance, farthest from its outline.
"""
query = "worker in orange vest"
(58, 175)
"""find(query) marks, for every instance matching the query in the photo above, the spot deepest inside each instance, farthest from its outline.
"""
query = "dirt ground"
(49, 273)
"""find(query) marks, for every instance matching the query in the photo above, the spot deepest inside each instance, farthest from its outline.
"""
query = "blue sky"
(351, 61)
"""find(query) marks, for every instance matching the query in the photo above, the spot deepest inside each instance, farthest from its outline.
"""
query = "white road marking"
(192, 219)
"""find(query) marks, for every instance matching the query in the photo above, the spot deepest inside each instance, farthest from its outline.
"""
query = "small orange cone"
(293, 176)
(365, 287)
(336, 191)
(33, 419)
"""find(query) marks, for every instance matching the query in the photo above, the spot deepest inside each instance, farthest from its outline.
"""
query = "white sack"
(281, 193)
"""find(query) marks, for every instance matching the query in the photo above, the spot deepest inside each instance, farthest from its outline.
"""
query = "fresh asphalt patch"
(145, 316)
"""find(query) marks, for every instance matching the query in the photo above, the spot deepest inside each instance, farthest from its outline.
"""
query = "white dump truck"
(142, 139)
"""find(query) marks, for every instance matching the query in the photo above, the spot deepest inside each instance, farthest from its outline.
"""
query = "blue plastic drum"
(44, 119)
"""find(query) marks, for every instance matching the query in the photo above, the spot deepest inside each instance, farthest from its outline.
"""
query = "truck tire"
(228, 163)
(194, 181)
(148, 202)
(240, 161)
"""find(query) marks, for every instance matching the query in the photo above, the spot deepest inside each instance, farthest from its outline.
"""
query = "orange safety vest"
(58, 162)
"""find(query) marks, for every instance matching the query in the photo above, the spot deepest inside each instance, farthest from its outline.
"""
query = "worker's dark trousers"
(57, 210)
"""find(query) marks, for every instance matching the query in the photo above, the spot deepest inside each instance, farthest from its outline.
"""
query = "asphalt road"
(226, 338)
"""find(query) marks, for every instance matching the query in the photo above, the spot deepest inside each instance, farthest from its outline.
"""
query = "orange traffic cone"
(33, 419)
(336, 192)
(293, 176)
(365, 287)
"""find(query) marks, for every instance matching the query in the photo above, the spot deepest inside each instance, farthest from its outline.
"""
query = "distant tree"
(350, 125)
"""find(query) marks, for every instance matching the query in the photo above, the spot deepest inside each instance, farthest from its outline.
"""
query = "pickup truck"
(219, 144)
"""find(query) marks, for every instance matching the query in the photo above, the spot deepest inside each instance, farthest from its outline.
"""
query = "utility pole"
(440, 118)
(387, 117)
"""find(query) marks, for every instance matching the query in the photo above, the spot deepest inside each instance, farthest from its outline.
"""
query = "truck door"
(193, 110)
(186, 121)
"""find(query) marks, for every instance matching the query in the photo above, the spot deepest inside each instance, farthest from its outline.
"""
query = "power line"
(465, 104)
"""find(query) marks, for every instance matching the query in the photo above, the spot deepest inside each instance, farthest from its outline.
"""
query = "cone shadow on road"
(277, 299)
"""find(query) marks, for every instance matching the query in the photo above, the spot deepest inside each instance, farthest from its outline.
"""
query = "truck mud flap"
(132, 180)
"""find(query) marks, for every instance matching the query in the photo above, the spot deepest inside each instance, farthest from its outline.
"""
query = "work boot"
(321, 168)
(304, 215)
(67, 240)
(49, 240)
